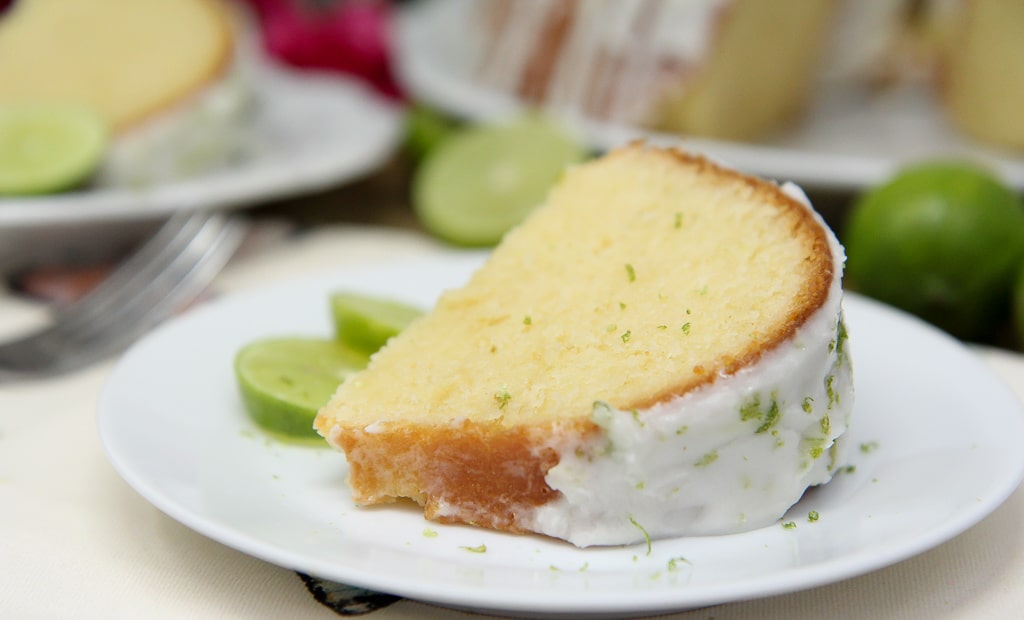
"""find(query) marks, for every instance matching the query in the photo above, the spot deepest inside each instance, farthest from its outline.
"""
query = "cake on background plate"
(164, 74)
(732, 69)
(657, 351)
(747, 70)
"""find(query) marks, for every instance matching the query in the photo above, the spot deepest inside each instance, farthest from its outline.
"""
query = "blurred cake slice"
(128, 59)
(166, 75)
(733, 69)
(981, 72)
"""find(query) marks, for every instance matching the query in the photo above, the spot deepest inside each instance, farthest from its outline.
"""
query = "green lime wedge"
(483, 180)
(366, 323)
(285, 381)
(47, 148)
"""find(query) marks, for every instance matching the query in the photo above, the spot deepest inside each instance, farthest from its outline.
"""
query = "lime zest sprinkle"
(429, 533)
(647, 537)
(630, 272)
(807, 406)
(611, 327)
(789, 525)
(663, 327)
(771, 418)
(527, 320)
(584, 568)
(707, 459)
(622, 305)
(673, 564)
(686, 328)
(751, 410)
(502, 396)
(841, 337)
(830, 388)
(826, 425)
(868, 447)
(678, 222)
(477, 549)
(626, 335)
(813, 516)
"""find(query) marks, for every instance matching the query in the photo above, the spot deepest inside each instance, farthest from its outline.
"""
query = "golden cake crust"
(493, 473)
(497, 471)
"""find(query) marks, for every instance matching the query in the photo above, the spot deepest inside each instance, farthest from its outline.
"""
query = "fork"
(171, 269)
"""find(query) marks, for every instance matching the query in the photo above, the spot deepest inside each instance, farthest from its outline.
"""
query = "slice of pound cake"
(657, 351)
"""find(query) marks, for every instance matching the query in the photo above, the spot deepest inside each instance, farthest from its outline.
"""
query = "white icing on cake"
(731, 456)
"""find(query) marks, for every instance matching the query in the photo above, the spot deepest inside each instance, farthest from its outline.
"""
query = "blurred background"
(901, 119)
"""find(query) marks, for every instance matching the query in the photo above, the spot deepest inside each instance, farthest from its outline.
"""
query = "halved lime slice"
(285, 381)
(483, 180)
(365, 322)
(47, 148)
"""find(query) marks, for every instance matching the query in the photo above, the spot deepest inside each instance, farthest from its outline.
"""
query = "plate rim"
(482, 599)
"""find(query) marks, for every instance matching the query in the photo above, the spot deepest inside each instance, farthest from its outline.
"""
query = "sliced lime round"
(483, 180)
(366, 323)
(48, 148)
(285, 381)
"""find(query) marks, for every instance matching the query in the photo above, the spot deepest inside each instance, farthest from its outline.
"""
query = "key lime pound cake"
(657, 351)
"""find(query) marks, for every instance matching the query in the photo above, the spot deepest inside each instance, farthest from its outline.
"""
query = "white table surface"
(77, 542)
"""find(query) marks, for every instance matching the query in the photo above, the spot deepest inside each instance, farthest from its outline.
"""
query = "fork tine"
(148, 260)
(185, 279)
(134, 303)
(98, 306)
(175, 271)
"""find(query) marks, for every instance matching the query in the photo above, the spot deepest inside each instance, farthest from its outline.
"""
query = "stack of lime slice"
(285, 381)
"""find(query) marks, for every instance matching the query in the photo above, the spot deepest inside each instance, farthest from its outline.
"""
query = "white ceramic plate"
(945, 435)
(850, 138)
(310, 131)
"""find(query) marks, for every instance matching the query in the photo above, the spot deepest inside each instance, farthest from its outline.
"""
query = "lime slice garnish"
(483, 180)
(46, 148)
(284, 381)
(366, 323)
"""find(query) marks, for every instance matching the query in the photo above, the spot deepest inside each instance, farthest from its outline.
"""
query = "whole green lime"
(942, 240)
(1018, 305)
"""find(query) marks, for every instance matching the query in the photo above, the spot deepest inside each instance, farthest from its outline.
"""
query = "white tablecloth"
(77, 542)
